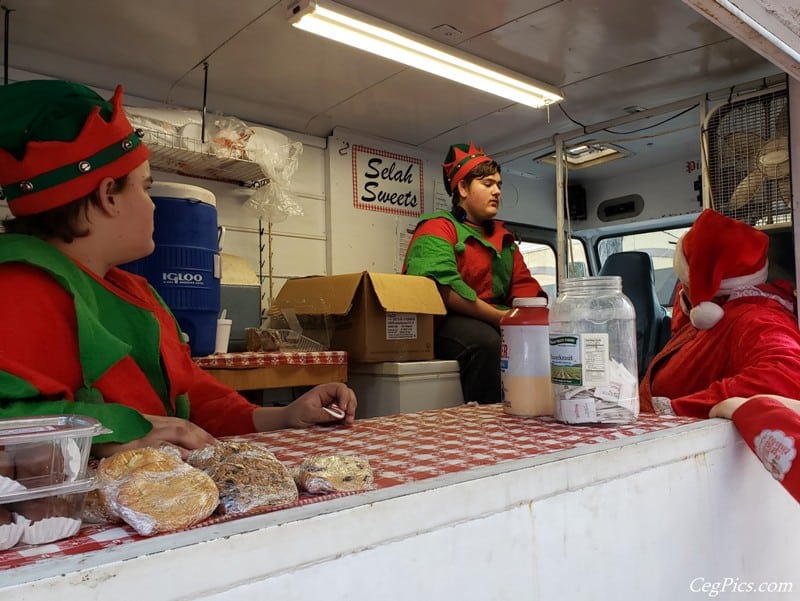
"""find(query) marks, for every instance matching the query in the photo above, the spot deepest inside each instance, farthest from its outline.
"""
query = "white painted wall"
(667, 190)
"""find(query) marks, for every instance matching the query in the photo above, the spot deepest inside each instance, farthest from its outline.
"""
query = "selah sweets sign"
(387, 182)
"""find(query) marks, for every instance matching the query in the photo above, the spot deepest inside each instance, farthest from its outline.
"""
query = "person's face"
(136, 214)
(481, 197)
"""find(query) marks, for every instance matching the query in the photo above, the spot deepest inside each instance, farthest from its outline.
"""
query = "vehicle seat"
(638, 284)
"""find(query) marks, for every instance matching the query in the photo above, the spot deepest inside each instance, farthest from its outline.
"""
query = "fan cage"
(734, 137)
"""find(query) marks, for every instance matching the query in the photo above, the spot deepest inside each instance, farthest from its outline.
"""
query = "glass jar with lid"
(593, 352)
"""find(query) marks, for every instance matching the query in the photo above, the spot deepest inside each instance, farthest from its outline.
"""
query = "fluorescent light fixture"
(362, 31)
(587, 154)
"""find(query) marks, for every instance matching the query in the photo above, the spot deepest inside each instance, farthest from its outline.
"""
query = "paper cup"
(223, 335)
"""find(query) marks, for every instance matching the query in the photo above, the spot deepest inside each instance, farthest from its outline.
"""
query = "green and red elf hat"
(460, 160)
(58, 141)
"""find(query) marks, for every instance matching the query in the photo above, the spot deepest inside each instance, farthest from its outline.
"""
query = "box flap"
(319, 295)
(407, 293)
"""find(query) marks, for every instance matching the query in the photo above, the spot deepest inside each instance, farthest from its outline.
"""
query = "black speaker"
(576, 202)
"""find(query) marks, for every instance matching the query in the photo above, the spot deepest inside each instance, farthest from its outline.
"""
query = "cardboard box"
(377, 316)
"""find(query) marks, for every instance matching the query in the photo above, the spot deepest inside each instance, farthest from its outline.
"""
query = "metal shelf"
(183, 156)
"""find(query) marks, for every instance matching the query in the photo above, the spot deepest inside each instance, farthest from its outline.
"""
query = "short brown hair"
(477, 172)
(61, 222)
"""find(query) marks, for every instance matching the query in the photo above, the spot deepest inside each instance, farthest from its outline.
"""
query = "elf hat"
(58, 141)
(717, 256)
(460, 160)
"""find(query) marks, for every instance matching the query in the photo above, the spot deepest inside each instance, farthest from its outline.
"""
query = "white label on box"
(401, 326)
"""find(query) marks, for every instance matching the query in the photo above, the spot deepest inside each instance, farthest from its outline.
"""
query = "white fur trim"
(744, 281)
(757, 292)
(705, 315)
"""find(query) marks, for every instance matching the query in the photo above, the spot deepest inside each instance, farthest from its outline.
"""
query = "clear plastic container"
(43, 476)
(525, 359)
(593, 352)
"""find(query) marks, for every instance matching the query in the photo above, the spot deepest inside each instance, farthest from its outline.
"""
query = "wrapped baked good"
(322, 474)
(153, 490)
(155, 502)
(248, 475)
(258, 339)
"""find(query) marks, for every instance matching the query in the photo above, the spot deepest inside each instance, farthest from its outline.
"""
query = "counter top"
(402, 449)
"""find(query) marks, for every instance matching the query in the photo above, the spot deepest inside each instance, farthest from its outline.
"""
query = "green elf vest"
(432, 255)
(100, 347)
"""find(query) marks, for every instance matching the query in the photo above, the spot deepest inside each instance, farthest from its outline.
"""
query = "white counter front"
(470, 504)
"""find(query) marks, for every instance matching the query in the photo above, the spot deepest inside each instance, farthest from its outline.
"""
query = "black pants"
(475, 344)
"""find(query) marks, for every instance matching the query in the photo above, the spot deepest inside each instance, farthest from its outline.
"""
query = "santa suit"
(772, 431)
(754, 348)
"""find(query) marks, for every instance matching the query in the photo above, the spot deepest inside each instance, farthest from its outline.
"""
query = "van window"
(541, 261)
(660, 246)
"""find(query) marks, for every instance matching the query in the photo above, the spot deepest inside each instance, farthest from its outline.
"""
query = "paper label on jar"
(579, 359)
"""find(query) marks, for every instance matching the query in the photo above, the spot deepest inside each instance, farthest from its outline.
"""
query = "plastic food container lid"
(47, 428)
(66, 488)
(529, 301)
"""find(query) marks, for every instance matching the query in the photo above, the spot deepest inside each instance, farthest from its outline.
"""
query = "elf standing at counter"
(477, 267)
(77, 334)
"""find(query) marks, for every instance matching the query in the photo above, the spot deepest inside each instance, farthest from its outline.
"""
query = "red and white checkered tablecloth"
(264, 358)
(401, 449)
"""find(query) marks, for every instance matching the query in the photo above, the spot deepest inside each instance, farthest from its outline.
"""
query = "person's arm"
(770, 425)
(431, 254)
(761, 348)
(477, 308)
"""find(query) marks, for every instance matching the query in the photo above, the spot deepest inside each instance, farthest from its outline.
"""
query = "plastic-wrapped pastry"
(248, 475)
(155, 502)
(334, 473)
(153, 490)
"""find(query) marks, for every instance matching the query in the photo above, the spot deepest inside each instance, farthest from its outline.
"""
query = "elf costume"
(476, 261)
(71, 341)
(470, 261)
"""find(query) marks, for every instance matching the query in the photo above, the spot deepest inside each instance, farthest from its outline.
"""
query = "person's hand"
(727, 407)
(307, 410)
(173, 431)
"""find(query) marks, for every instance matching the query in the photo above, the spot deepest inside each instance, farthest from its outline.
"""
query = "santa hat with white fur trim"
(717, 256)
